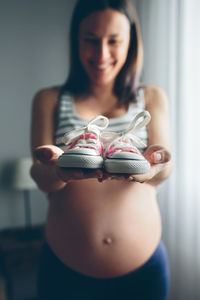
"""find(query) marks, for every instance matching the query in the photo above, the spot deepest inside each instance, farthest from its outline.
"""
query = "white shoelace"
(92, 127)
(125, 138)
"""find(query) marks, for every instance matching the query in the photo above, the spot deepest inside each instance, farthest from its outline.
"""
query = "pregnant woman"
(103, 229)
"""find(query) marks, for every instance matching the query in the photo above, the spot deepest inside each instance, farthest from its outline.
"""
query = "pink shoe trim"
(86, 136)
(132, 149)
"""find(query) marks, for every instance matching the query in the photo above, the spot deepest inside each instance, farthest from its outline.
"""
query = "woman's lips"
(101, 67)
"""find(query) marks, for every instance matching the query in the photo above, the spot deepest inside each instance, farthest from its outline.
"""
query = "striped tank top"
(67, 119)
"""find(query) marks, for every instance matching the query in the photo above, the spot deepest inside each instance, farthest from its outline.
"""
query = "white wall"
(33, 55)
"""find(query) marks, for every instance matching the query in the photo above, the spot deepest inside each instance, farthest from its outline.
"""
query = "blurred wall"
(33, 55)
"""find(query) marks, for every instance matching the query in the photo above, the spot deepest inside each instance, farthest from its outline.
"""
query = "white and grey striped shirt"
(68, 119)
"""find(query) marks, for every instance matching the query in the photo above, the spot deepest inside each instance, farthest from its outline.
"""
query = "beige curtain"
(171, 34)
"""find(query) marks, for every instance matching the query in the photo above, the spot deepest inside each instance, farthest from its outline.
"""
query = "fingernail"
(157, 157)
(43, 154)
(131, 178)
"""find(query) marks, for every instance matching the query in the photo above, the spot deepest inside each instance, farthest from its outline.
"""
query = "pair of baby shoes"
(89, 147)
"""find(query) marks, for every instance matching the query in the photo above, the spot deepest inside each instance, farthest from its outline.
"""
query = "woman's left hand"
(158, 157)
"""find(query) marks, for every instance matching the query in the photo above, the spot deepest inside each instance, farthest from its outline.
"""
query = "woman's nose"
(103, 51)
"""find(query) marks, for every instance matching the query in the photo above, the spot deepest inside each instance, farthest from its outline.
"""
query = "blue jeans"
(149, 282)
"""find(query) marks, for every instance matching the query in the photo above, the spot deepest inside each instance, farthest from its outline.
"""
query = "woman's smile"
(101, 68)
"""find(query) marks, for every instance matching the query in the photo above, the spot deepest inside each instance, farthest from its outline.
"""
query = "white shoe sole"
(80, 161)
(126, 166)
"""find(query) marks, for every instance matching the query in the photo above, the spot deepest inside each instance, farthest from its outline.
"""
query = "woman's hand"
(157, 156)
(159, 159)
(48, 155)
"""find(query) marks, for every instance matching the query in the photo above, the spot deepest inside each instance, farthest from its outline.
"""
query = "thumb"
(161, 156)
(156, 154)
(47, 154)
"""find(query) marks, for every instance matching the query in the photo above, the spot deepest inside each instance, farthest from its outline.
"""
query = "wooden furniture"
(19, 254)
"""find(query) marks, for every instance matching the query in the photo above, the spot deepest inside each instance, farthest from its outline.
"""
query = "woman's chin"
(101, 81)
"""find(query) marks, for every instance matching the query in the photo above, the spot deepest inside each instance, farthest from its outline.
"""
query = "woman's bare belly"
(104, 229)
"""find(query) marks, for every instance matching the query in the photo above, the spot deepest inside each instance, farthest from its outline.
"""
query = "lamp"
(22, 181)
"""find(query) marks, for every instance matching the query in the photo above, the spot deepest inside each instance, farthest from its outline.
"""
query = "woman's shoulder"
(155, 96)
(46, 97)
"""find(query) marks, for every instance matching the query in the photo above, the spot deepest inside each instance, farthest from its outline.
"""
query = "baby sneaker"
(83, 146)
(122, 154)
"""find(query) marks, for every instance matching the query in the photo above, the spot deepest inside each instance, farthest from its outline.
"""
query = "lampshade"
(21, 178)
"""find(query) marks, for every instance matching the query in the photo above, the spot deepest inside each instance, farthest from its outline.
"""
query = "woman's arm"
(45, 171)
(158, 151)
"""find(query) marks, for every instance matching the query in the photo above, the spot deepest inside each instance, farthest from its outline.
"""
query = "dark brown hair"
(126, 82)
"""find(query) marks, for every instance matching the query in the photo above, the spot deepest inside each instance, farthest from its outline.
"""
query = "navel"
(107, 241)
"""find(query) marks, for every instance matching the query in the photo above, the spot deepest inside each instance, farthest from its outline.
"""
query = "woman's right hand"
(48, 155)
